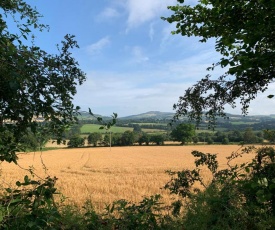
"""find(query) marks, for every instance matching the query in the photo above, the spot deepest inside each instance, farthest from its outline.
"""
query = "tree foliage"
(244, 36)
(249, 137)
(94, 138)
(158, 139)
(33, 82)
(269, 135)
(137, 128)
(183, 133)
(143, 138)
(128, 138)
(76, 142)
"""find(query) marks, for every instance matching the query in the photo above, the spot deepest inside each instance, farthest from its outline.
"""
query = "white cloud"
(142, 11)
(158, 89)
(138, 55)
(151, 31)
(108, 13)
(140, 91)
(98, 46)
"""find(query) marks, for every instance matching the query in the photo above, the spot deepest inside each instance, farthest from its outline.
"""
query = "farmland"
(91, 128)
(104, 175)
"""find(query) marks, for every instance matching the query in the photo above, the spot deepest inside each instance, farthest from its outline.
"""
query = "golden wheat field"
(104, 175)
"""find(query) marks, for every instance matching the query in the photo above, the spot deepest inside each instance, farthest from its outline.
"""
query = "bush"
(241, 197)
(30, 206)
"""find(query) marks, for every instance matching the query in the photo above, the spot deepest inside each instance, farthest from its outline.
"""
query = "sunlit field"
(91, 128)
(104, 175)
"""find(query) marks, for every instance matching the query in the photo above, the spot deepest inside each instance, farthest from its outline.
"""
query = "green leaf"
(14, 201)
(26, 180)
(9, 190)
(18, 183)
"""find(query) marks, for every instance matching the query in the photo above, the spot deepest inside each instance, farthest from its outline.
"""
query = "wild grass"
(104, 175)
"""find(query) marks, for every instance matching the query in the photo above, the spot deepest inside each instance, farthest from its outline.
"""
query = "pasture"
(104, 175)
(94, 128)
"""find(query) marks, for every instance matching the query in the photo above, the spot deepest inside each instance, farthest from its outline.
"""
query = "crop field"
(91, 128)
(106, 174)
(153, 131)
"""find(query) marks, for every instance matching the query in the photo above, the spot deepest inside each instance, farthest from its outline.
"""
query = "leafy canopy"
(33, 82)
(244, 34)
(183, 133)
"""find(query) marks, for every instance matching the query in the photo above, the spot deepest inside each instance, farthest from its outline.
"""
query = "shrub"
(241, 197)
(30, 206)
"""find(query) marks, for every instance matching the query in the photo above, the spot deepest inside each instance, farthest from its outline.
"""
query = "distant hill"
(86, 116)
(240, 122)
(157, 115)
(150, 115)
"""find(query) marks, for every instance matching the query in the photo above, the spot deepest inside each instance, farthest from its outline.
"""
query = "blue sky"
(132, 61)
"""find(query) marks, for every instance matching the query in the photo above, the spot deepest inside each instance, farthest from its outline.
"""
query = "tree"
(220, 136)
(137, 128)
(29, 142)
(183, 133)
(209, 140)
(244, 36)
(33, 82)
(225, 141)
(116, 139)
(94, 138)
(144, 138)
(74, 130)
(249, 136)
(195, 139)
(235, 136)
(269, 135)
(158, 139)
(76, 142)
(128, 138)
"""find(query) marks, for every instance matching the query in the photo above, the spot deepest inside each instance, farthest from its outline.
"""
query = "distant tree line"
(246, 137)
(128, 138)
(181, 132)
(184, 133)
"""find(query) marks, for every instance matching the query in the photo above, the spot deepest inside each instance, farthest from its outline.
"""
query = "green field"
(92, 128)
(151, 123)
(243, 122)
